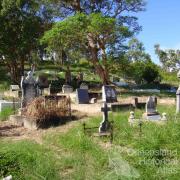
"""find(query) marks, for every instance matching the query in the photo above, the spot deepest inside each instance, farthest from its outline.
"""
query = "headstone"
(109, 94)
(29, 89)
(14, 91)
(104, 126)
(151, 106)
(84, 86)
(67, 89)
(82, 96)
(14, 88)
(151, 112)
(7, 104)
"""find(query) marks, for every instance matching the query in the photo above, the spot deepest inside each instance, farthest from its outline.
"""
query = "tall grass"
(73, 155)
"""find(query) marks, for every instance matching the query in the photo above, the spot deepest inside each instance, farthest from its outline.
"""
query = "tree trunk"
(104, 58)
(94, 52)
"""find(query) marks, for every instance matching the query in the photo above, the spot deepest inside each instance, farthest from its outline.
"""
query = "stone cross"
(104, 126)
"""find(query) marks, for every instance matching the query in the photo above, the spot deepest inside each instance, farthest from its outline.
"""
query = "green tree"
(98, 28)
(22, 22)
(136, 51)
(144, 71)
(169, 58)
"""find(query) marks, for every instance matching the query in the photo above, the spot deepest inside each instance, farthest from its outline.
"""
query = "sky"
(160, 25)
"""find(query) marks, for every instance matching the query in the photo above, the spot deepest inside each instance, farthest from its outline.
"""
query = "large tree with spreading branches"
(96, 28)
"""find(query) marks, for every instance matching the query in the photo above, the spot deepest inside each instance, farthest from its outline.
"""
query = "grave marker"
(29, 88)
(82, 96)
(109, 94)
(84, 86)
(151, 112)
(67, 89)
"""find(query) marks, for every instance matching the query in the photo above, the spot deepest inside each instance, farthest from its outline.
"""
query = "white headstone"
(14, 88)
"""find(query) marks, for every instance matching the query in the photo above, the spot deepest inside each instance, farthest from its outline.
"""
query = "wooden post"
(140, 127)
(14, 108)
(84, 127)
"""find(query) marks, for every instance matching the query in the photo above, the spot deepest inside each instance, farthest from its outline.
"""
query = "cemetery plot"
(48, 110)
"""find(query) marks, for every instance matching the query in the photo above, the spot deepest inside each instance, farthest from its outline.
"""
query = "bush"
(150, 72)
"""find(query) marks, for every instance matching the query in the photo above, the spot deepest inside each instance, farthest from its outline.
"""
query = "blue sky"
(160, 24)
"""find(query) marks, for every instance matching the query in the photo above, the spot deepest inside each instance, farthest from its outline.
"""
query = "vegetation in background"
(96, 29)
(22, 23)
(169, 58)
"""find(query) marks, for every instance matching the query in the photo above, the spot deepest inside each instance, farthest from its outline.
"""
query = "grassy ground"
(5, 113)
(164, 94)
(153, 154)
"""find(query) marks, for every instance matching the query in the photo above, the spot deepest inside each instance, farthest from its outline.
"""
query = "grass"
(27, 160)
(5, 113)
(126, 94)
(72, 155)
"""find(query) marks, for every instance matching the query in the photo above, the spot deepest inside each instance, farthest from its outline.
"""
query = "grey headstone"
(29, 89)
(84, 86)
(109, 94)
(67, 89)
(7, 104)
(151, 112)
(151, 105)
(82, 96)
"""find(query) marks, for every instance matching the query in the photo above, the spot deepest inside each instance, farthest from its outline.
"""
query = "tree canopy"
(22, 23)
(169, 58)
(98, 28)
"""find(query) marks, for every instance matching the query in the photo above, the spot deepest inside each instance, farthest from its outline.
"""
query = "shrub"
(47, 112)
(150, 72)
(144, 71)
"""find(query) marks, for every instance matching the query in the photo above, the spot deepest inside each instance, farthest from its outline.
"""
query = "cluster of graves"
(32, 88)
